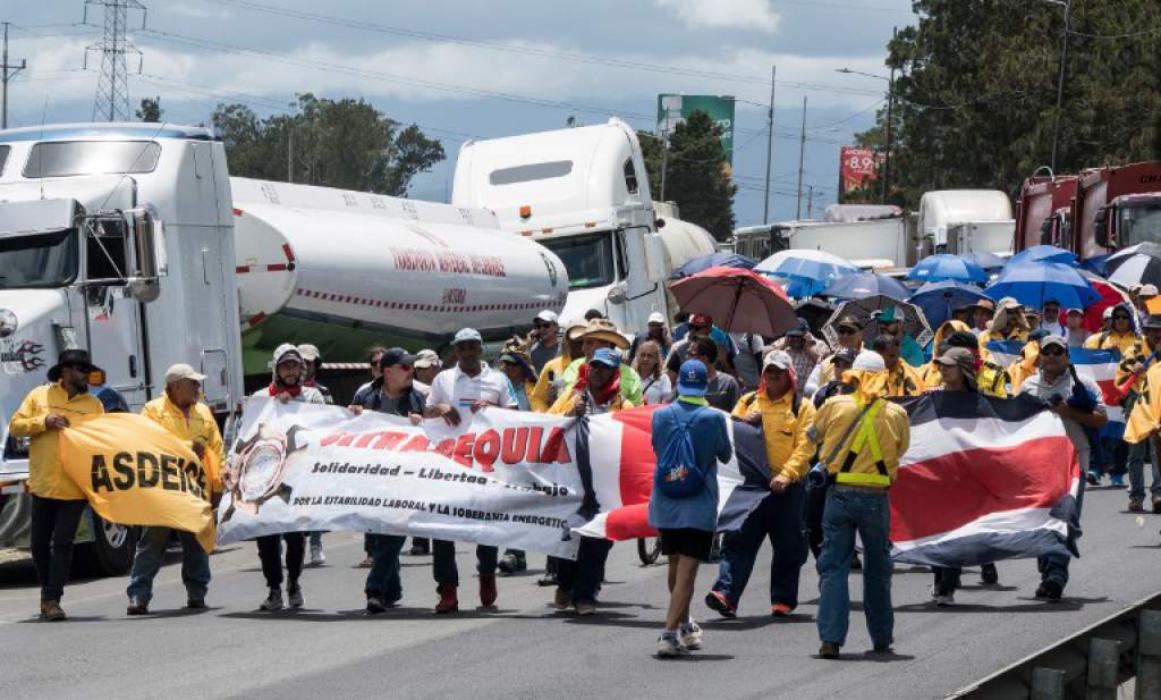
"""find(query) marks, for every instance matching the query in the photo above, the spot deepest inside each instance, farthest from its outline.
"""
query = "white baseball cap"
(548, 316)
(427, 358)
(309, 352)
(777, 358)
(869, 361)
(181, 371)
(657, 317)
(467, 335)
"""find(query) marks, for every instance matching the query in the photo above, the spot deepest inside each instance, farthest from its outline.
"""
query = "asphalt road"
(333, 650)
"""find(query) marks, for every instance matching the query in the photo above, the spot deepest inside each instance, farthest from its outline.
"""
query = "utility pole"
(801, 156)
(7, 72)
(810, 201)
(769, 148)
(890, 105)
(1067, 4)
(664, 160)
(111, 102)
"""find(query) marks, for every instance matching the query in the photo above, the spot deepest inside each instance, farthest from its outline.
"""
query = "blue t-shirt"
(711, 444)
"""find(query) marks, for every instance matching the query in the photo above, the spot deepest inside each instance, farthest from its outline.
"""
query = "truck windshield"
(43, 260)
(1140, 224)
(588, 258)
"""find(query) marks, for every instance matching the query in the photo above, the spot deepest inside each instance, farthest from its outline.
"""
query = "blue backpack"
(677, 473)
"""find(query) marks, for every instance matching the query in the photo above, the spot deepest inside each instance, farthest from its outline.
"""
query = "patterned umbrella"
(914, 322)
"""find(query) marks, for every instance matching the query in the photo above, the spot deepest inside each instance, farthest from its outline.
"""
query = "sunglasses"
(541, 324)
(1052, 351)
(847, 331)
(1119, 317)
(698, 328)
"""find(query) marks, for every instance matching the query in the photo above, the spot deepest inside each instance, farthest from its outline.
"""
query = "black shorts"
(687, 541)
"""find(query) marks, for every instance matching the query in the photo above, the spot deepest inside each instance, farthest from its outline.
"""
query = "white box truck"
(965, 221)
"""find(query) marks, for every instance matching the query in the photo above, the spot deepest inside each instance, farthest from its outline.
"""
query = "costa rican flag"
(1099, 366)
(984, 479)
(620, 454)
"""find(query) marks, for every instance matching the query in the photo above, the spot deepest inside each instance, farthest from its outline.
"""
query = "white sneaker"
(317, 558)
(943, 600)
(690, 634)
(668, 645)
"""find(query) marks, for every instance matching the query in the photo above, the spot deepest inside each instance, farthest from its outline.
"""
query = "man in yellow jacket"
(902, 378)
(862, 437)
(1121, 336)
(784, 418)
(1133, 372)
(180, 413)
(57, 502)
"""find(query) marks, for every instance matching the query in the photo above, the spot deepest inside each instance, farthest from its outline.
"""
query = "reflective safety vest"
(865, 437)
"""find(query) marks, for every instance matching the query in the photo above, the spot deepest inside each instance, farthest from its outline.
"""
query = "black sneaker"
(273, 601)
(195, 604)
(548, 579)
(1050, 590)
(884, 648)
(828, 650)
(989, 575)
(137, 606)
(375, 605)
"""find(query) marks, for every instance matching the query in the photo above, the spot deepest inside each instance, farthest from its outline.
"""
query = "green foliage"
(334, 143)
(697, 175)
(976, 92)
(150, 110)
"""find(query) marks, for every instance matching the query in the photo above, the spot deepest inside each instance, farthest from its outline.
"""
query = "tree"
(334, 143)
(150, 110)
(977, 87)
(697, 174)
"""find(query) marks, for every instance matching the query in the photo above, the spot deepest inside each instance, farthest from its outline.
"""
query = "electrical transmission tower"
(112, 100)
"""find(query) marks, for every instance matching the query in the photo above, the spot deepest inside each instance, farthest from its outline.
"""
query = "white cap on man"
(777, 358)
(427, 358)
(181, 371)
(467, 335)
(870, 361)
(657, 317)
(548, 316)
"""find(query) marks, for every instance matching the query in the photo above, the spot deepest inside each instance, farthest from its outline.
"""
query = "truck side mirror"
(150, 261)
(1100, 226)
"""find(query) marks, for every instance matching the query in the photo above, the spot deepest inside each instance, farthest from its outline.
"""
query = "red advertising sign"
(859, 167)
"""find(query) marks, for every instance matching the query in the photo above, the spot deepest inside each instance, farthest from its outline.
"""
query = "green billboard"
(674, 109)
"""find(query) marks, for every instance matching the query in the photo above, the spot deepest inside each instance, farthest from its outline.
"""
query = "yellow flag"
(134, 472)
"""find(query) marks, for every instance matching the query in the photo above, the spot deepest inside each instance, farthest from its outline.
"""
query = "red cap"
(701, 320)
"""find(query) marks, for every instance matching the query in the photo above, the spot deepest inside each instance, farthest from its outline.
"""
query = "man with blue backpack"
(689, 439)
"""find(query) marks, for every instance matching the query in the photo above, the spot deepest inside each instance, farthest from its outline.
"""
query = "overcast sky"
(465, 69)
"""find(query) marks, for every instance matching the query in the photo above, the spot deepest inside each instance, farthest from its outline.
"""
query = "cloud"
(725, 14)
(430, 72)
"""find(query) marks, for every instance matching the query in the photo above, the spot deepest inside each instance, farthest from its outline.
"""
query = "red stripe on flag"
(628, 523)
(956, 488)
(637, 459)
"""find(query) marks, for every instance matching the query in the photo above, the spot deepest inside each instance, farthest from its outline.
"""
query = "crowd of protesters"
(820, 406)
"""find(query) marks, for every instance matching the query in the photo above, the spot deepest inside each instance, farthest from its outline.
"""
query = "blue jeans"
(443, 561)
(582, 578)
(1114, 454)
(195, 563)
(848, 512)
(383, 578)
(778, 518)
(1137, 454)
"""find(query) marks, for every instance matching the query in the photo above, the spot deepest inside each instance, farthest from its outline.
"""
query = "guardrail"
(1092, 663)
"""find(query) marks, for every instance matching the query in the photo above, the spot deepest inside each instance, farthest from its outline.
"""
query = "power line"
(7, 72)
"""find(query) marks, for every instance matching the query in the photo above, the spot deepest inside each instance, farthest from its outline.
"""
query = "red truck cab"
(1116, 207)
(1042, 211)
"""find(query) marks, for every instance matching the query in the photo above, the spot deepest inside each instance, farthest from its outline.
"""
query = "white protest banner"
(507, 478)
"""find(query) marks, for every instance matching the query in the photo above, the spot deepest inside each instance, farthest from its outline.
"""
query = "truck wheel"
(111, 551)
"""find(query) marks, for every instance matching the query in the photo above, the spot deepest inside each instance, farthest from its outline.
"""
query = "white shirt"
(457, 389)
(657, 391)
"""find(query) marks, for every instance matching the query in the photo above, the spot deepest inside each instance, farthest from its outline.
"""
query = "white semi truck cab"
(583, 193)
(116, 238)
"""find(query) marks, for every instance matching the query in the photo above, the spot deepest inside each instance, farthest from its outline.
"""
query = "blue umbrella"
(1099, 265)
(939, 299)
(1034, 283)
(988, 261)
(705, 262)
(1043, 253)
(947, 267)
(806, 271)
(867, 284)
